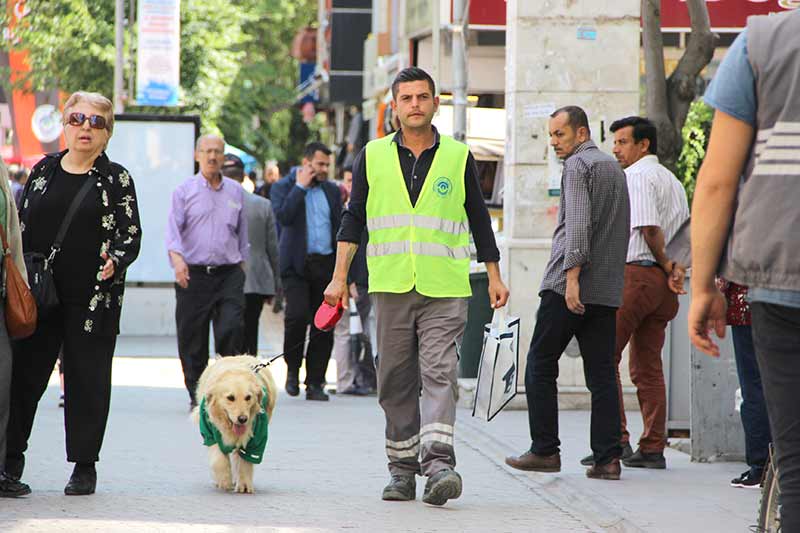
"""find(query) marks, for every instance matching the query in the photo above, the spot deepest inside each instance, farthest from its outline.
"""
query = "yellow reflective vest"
(423, 246)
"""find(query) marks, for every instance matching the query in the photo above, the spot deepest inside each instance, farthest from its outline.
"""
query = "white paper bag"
(497, 373)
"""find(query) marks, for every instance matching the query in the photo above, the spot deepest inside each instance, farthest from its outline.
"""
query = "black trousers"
(776, 336)
(303, 297)
(253, 303)
(217, 298)
(87, 384)
(595, 331)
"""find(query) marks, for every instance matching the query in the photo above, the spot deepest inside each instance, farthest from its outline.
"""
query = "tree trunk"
(668, 100)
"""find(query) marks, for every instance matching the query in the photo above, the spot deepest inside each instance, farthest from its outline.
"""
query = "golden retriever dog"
(237, 397)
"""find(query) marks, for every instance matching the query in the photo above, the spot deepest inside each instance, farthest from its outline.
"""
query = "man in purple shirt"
(208, 245)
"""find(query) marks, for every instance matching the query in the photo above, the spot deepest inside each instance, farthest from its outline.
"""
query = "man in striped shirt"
(652, 283)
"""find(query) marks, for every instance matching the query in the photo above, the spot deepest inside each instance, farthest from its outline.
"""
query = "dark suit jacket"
(289, 203)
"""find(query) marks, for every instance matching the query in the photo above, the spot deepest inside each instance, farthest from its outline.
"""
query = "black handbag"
(40, 267)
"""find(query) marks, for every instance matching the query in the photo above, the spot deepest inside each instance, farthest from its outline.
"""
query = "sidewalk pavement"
(325, 468)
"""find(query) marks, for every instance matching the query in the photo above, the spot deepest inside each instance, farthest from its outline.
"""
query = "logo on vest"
(443, 186)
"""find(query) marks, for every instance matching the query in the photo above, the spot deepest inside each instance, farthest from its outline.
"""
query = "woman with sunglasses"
(100, 244)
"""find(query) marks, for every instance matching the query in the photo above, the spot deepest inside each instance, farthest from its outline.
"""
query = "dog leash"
(259, 366)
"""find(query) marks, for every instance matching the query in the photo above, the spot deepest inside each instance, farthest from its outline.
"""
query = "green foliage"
(236, 69)
(695, 140)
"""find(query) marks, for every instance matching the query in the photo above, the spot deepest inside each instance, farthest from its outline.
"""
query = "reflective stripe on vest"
(420, 221)
(424, 247)
(418, 248)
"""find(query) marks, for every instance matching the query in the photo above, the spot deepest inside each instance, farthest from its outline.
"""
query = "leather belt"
(644, 263)
(212, 269)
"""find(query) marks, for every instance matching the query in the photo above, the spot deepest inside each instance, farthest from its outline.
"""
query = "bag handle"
(499, 322)
(73, 208)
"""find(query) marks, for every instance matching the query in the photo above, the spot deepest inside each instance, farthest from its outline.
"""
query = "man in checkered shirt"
(580, 294)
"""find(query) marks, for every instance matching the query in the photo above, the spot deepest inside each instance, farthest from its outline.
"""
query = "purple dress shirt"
(208, 226)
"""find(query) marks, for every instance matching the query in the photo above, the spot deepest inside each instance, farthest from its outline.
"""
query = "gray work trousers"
(417, 338)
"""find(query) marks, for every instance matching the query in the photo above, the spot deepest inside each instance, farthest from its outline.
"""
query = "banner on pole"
(158, 57)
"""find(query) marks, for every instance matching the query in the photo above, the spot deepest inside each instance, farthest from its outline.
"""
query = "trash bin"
(478, 315)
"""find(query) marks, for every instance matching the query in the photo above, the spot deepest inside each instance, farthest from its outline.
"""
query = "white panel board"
(159, 154)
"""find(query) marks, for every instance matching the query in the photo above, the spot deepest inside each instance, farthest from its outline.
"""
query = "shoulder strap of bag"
(5, 241)
(73, 208)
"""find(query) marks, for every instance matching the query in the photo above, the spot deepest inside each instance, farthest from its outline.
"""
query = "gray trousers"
(417, 338)
(5, 383)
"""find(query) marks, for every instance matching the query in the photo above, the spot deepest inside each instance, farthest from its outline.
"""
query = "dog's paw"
(244, 487)
(225, 484)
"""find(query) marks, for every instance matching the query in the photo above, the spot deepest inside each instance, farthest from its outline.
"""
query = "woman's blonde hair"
(96, 100)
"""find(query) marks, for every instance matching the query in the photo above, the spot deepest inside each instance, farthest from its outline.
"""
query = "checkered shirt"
(593, 227)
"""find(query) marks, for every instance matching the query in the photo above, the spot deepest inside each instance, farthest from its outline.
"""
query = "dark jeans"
(87, 384)
(217, 297)
(754, 409)
(776, 336)
(253, 303)
(595, 331)
(303, 296)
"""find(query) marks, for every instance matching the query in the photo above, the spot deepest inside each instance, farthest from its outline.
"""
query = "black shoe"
(82, 481)
(292, 384)
(400, 489)
(748, 480)
(355, 391)
(627, 451)
(12, 488)
(646, 460)
(316, 393)
(442, 486)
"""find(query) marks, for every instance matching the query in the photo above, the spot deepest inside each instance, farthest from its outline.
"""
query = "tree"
(236, 69)
(668, 99)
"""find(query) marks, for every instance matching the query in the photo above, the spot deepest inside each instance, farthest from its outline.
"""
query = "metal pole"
(436, 35)
(460, 17)
(131, 58)
(119, 22)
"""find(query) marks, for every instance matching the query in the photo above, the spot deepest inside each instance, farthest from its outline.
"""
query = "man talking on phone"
(309, 209)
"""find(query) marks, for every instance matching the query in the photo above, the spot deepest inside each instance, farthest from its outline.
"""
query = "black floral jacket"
(121, 232)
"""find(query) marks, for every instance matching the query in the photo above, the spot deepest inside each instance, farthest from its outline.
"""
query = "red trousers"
(647, 307)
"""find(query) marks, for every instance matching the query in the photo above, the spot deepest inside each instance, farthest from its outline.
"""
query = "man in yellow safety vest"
(418, 195)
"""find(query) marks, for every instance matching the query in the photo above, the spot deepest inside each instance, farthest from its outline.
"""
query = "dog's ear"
(259, 395)
(211, 399)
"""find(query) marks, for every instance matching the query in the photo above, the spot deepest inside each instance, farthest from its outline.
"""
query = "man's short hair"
(576, 117)
(233, 167)
(313, 148)
(412, 74)
(643, 128)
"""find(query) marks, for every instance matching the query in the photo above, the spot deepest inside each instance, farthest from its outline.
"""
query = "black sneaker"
(646, 460)
(400, 489)
(12, 488)
(748, 480)
(627, 451)
(442, 486)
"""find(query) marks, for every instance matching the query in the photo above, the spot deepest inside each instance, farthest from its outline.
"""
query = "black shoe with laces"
(401, 488)
(12, 488)
(82, 481)
(316, 393)
(292, 383)
(748, 480)
(641, 459)
(627, 451)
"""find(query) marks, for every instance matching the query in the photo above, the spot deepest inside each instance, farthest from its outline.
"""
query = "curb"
(594, 510)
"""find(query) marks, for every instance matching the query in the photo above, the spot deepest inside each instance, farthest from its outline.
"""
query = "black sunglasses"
(97, 122)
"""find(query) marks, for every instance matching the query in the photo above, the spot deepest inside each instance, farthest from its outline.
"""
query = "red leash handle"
(328, 315)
